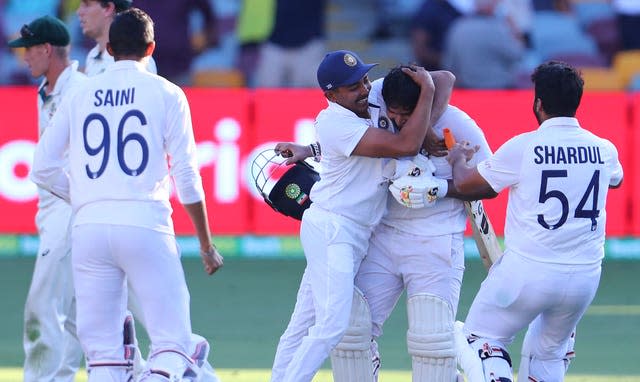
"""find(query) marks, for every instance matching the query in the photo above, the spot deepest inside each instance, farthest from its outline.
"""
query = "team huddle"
(111, 142)
(557, 176)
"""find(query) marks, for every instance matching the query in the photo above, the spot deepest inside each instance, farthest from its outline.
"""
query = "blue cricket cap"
(341, 68)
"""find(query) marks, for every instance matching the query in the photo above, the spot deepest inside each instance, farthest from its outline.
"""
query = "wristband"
(315, 151)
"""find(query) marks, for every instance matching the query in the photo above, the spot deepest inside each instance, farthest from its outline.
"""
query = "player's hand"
(462, 151)
(211, 259)
(418, 190)
(434, 145)
(420, 75)
(293, 152)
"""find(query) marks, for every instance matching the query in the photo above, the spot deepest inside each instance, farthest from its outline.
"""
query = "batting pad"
(351, 359)
(430, 339)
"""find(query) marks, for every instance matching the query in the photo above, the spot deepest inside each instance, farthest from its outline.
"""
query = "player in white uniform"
(420, 249)
(95, 18)
(52, 351)
(558, 177)
(127, 132)
(349, 201)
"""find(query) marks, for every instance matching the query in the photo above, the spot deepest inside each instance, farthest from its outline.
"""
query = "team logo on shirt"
(350, 60)
(52, 110)
(383, 122)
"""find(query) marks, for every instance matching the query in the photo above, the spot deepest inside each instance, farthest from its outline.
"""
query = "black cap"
(46, 29)
(341, 68)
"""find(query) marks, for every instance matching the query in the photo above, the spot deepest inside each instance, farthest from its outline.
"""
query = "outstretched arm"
(467, 183)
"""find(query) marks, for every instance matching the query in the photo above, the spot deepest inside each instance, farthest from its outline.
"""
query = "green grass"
(247, 375)
(244, 308)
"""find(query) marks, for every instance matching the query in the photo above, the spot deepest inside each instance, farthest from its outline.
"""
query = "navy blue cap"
(341, 68)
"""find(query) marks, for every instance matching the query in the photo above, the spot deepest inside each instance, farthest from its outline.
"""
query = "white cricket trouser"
(422, 264)
(105, 257)
(52, 350)
(334, 247)
(517, 290)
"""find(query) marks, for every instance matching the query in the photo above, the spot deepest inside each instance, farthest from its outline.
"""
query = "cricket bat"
(483, 233)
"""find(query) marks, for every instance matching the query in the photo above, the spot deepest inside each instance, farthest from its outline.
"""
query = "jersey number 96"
(121, 142)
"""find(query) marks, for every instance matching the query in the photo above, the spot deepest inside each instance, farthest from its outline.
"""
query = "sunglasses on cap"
(25, 32)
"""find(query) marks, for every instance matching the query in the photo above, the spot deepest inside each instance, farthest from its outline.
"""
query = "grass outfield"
(244, 309)
(246, 375)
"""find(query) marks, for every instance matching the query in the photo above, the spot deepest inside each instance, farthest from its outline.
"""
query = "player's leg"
(509, 298)
(100, 303)
(199, 351)
(380, 282)
(73, 355)
(153, 269)
(330, 272)
(549, 341)
(48, 343)
(302, 318)
(134, 313)
(432, 267)
(351, 359)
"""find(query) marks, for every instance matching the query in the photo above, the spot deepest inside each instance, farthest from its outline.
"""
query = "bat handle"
(449, 140)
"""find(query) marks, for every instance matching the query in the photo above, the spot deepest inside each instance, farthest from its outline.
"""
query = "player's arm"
(295, 152)
(467, 183)
(211, 259)
(49, 161)
(181, 148)
(382, 143)
(443, 81)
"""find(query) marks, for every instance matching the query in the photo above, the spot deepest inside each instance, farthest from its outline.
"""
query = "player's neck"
(56, 67)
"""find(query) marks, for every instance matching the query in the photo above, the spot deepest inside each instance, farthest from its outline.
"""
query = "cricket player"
(127, 132)
(420, 249)
(52, 351)
(558, 177)
(409, 250)
(335, 231)
(95, 18)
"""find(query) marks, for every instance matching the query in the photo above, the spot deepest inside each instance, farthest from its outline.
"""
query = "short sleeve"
(502, 169)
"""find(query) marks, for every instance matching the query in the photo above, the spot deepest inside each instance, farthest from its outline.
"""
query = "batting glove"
(419, 190)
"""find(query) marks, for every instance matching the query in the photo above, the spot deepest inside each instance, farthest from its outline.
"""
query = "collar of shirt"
(60, 82)
(126, 65)
(560, 122)
(339, 109)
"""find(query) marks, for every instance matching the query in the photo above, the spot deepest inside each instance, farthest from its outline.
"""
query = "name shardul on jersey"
(567, 155)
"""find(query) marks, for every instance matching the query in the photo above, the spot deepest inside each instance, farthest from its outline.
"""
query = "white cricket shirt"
(558, 177)
(120, 129)
(97, 61)
(350, 185)
(448, 214)
(69, 79)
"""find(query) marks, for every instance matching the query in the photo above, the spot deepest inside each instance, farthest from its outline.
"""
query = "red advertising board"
(232, 126)
(282, 115)
(18, 133)
(632, 168)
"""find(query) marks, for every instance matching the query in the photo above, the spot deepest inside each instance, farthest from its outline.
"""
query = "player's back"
(556, 211)
(123, 124)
